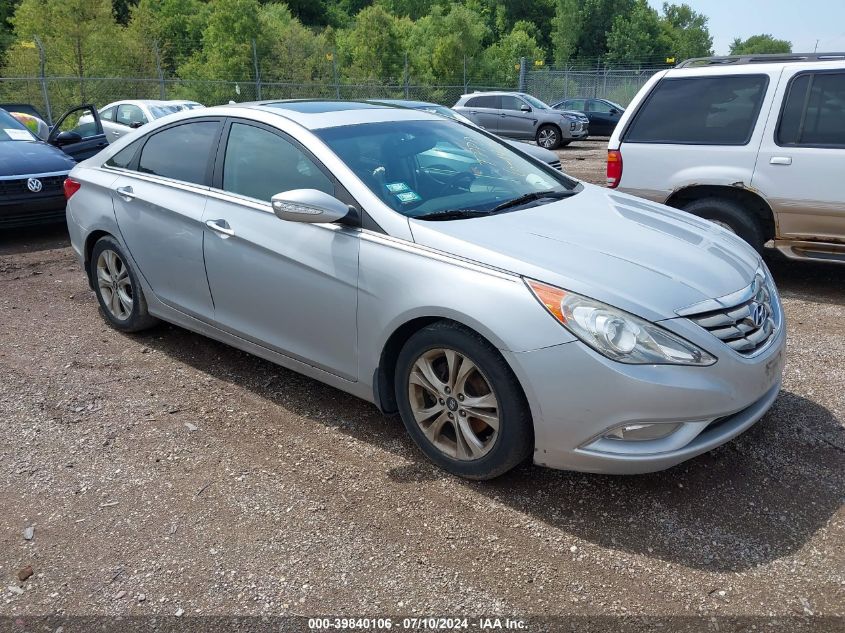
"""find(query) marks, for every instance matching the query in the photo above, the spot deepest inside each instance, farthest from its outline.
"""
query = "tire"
(548, 137)
(456, 437)
(116, 285)
(731, 215)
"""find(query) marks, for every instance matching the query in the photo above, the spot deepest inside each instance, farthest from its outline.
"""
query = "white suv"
(756, 144)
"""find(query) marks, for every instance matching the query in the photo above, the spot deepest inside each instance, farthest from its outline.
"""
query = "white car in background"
(121, 117)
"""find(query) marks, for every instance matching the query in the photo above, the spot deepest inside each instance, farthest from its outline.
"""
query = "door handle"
(126, 193)
(780, 160)
(218, 227)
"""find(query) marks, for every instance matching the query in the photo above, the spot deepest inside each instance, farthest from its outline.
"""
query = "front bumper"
(34, 211)
(576, 395)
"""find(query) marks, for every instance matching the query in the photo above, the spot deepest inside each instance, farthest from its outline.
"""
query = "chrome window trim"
(36, 175)
(161, 180)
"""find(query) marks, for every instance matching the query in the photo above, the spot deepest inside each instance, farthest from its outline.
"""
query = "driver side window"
(259, 164)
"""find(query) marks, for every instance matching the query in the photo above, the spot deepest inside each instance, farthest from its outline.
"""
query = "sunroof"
(320, 107)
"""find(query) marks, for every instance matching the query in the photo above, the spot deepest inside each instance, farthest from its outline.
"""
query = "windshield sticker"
(397, 187)
(406, 197)
(18, 135)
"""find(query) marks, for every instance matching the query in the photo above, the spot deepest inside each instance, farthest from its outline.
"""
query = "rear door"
(802, 157)
(79, 133)
(484, 110)
(159, 201)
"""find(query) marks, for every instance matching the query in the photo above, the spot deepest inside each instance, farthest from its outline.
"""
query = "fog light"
(641, 432)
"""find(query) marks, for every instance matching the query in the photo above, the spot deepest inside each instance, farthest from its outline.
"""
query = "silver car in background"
(521, 116)
(504, 310)
(122, 117)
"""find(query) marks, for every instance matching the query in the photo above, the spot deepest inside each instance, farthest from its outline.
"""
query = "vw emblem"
(758, 314)
(34, 185)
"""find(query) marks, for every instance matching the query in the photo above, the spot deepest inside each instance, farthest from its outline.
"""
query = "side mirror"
(525, 108)
(614, 111)
(66, 138)
(135, 124)
(308, 205)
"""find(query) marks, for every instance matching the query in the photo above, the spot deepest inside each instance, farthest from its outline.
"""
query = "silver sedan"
(504, 310)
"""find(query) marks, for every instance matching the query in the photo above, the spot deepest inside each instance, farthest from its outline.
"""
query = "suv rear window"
(700, 111)
(814, 111)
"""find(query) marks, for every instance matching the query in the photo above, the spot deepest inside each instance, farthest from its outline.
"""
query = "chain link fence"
(53, 95)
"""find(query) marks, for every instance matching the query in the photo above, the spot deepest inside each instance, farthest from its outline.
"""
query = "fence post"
(521, 74)
(406, 79)
(334, 76)
(162, 91)
(42, 75)
(566, 82)
(604, 87)
(466, 88)
(257, 71)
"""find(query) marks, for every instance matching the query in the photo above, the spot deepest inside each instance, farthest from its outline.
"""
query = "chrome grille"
(17, 186)
(746, 320)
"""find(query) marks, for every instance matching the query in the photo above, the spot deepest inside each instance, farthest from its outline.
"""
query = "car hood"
(646, 258)
(21, 158)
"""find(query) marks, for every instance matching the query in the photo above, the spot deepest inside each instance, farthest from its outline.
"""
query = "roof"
(316, 114)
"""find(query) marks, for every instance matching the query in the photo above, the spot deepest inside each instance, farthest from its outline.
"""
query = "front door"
(289, 286)
(159, 200)
(603, 117)
(514, 120)
(802, 156)
(79, 133)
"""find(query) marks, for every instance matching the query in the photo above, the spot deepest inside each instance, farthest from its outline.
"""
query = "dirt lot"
(166, 473)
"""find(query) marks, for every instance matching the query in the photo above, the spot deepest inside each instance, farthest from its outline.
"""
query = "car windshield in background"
(700, 111)
(160, 111)
(12, 130)
(441, 170)
(535, 103)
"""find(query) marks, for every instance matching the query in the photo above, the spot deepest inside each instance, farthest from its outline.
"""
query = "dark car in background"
(603, 114)
(32, 172)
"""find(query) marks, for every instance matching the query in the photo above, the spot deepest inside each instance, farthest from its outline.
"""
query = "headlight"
(616, 334)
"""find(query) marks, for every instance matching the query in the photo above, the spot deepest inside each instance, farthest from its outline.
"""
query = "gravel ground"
(164, 473)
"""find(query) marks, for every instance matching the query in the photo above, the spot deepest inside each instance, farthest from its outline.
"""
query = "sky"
(802, 23)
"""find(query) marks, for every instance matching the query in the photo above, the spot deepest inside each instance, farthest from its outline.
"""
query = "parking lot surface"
(164, 472)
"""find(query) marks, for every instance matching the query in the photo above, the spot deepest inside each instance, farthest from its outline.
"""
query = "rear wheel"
(548, 136)
(461, 403)
(116, 286)
(730, 215)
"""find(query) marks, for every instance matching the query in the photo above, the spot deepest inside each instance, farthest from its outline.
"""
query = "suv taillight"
(614, 168)
(71, 186)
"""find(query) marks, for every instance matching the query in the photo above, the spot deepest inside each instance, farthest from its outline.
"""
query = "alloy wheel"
(115, 284)
(547, 138)
(454, 404)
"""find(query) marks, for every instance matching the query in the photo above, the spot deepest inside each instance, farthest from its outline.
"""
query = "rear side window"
(124, 157)
(180, 152)
(814, 111)
(700, 111)
(486, 101)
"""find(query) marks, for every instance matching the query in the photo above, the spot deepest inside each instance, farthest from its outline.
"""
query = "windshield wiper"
(531, 197)
(453, 214)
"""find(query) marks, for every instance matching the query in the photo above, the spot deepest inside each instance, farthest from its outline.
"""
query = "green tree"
(759, 45)
(441, 42)
(501, 60)
(597, 17)
(7, 10)
(637, 36)
(566, 30)
(373, 48)
(686, 31)
(288, 51)
(174, 27)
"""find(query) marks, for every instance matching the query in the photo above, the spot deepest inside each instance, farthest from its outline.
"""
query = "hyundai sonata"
(503, 309)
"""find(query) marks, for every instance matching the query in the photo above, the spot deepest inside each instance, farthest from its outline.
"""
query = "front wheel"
(461, 404)
(730, 215)
(548, 136)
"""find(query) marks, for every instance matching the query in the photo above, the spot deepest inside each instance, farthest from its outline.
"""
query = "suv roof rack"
(760, 59)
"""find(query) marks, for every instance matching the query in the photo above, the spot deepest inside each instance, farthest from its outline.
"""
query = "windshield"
(160, 111)
(423, 168)
(536, 103)
(12, 130)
